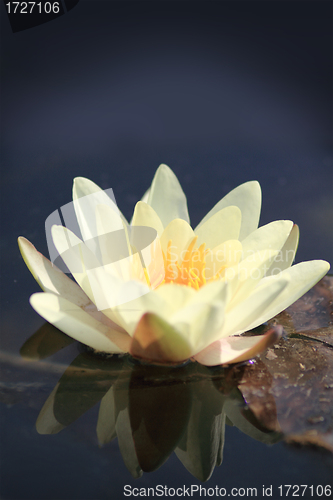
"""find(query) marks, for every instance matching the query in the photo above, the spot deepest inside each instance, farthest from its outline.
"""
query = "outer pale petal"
(272, 236)
(86, 197)
(236, 349)
(77, 257)
(167, 197)
(286, 256)
(49, 277)
(253, 309)
(245, 277)
(78, 324)
(222, 226)
(113, 240)
(247, 197)
(157, 341)
(300, 279)
(145, 215)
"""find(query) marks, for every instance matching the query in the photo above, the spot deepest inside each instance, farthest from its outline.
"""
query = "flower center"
(190, 270)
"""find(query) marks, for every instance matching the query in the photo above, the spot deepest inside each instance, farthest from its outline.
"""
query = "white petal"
(167, 197)
(286, 256)
(222, 226)
(49, 277)
(78, 324)
(272, 236)
(247, 197)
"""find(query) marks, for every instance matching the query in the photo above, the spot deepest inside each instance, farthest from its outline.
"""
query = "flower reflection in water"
(152, 410)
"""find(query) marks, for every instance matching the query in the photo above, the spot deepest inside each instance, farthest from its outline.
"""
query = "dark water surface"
(222, 92)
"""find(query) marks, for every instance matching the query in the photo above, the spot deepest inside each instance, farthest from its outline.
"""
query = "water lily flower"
(190, 295)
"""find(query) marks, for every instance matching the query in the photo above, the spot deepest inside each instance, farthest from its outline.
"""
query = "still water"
(80, 426)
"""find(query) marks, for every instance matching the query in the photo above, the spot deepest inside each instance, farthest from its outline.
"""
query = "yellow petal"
(286, 256)
(222, 226)
(300, 278)
(180, 233)
(145, 215)
(166, 196)
(247, 197)
(86, 197)
(227, 254)
(253, 309)
(272, 236)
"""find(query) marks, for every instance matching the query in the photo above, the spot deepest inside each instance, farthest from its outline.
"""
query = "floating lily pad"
(296, 375)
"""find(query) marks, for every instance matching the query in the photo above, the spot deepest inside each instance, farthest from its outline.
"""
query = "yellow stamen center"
(191, 270)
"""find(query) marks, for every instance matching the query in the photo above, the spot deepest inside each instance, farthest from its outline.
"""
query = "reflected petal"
(159, 411)
(46, 422)
(201, 448)
(106, 423)
(83, 385)
(46, 341)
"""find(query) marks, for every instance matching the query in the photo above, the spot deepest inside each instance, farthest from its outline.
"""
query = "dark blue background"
(223, 92)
